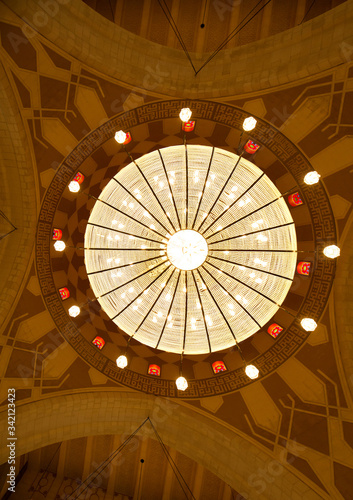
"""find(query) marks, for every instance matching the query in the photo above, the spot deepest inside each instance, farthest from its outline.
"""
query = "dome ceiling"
(297, 417)
(305, 298)
(220, 18)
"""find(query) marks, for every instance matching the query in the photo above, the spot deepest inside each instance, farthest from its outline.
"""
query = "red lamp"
(295, 200)
(219, 366)
(274, 330)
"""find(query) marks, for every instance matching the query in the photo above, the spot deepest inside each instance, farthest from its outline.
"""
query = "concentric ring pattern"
(250, 237)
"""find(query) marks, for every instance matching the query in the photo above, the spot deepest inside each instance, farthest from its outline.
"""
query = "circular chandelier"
(197, 240)
(191, 250)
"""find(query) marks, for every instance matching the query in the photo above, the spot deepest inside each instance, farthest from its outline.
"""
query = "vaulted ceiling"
(221, 18)
(69, 79)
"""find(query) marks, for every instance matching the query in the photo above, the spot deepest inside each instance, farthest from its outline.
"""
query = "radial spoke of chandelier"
(250, 267)
(186, 309)
(121, 249)
(139, 295)
(221, 191)
(215, 301)
(142, 205)
(238, 303)
(240, 352)
(240, 138)
(202, 310)
(187, 185)
(236, 201)
(249, 234)
(169, 309)
(149, 185)
(124, 265)
(123, 232)
(203, 189)
(251, 288)
(132, 279)
(158, 296)
(251, 250)
(170, 188)
(115, 249)
(248, 215)
(245, 284)
(126, 215)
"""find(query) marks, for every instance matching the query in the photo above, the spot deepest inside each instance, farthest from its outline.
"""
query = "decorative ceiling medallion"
(212, 114)
(191, 250)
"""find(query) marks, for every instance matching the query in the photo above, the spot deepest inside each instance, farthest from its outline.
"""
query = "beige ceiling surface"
(221, 18)
(297, 420)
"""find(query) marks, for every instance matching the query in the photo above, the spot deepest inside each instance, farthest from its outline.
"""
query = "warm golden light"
(74, 311)
(308, 324)
(249, 124)
(120, 137)
(121, 362)
(59, 245)
(312, 178)
(187, 249)
(185, 114)
(251, 371)
(332, 251)
(74, 187)
(198, 254)
(181, 383)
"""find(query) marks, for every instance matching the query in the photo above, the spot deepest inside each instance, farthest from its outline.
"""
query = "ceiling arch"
(18, 198)
(230, 456)
(344, 304)
(280, 59)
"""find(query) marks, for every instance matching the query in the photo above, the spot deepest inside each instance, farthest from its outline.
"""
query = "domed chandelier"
(192, 249)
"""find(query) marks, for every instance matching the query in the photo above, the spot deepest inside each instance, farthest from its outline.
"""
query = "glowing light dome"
(332, 251)
(312, 178)
(251, 371)
(121, 362)
(185, 114)
(181, 383)
(249, 124)
(192, 252)
(74, 187)
(59, 245)
(187, 249)
(74, 311)
(308, 324)
(120, 137)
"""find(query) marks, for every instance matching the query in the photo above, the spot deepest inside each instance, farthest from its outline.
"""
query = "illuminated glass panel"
(128, 138)
(295, 200)
(303, 268)
(250, 147)
(79, 178)
(154, 370)
(219, 366)
(64, 293)
(99, 342)
(57, 234)
(274, 330)
(188, 126)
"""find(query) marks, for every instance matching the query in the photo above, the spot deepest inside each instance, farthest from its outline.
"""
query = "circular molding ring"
(315, 197)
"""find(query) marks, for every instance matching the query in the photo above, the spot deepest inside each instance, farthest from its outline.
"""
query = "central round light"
(190, 249)
(187, 249)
